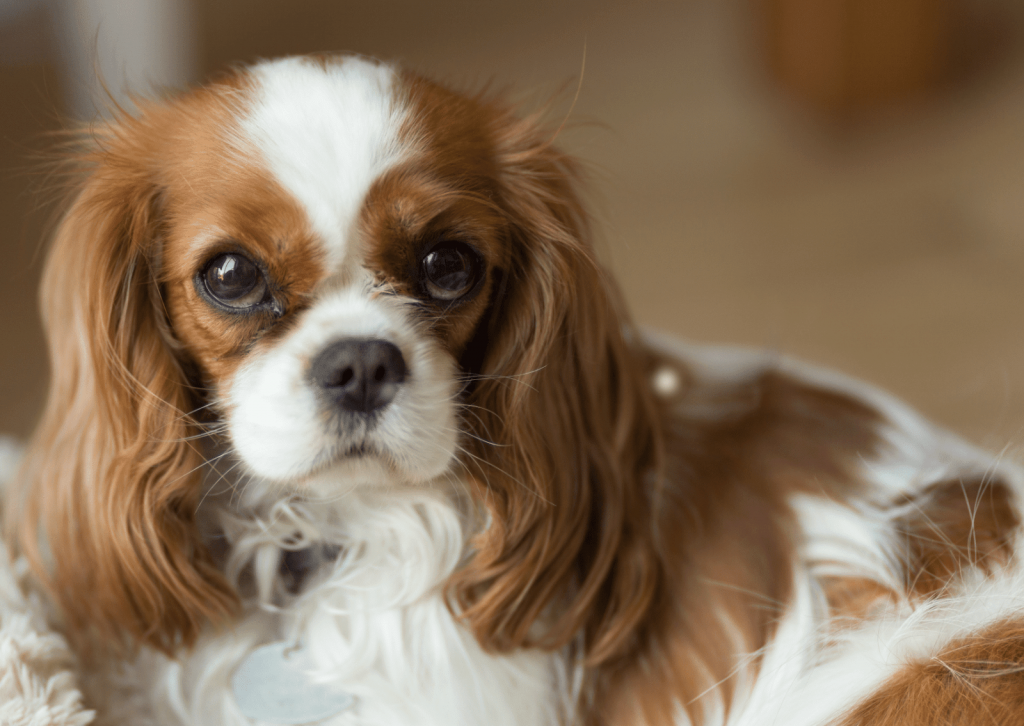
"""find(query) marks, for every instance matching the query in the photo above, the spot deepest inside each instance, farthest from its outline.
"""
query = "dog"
(348, 426)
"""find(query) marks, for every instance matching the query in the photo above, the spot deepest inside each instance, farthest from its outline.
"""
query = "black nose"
(359, 375)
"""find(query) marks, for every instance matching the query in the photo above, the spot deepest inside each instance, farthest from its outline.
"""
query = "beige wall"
(890, 247)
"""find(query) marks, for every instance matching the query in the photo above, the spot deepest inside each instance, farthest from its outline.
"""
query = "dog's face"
(348, 276)
(332, 250)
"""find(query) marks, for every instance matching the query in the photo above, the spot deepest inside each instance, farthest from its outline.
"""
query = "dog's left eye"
(450, 270)
(235, 281)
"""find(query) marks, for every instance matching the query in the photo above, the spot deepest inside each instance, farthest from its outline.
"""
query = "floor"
(890, 247)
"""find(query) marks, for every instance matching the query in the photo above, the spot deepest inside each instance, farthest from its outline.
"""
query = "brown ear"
(565, 445)
(111, 479)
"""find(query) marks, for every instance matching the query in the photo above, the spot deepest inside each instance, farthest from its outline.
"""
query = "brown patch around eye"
(252, 217)
(409, 213)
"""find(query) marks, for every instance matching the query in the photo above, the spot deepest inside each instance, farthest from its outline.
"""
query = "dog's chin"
(348, 468)
(352, 468)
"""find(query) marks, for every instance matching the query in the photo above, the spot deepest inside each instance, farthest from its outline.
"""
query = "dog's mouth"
(358, 451)
(351, 454)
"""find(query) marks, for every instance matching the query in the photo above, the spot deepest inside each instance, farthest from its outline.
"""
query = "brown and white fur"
(553, 518)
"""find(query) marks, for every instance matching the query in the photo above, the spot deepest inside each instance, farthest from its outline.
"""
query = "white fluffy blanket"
(38, 685)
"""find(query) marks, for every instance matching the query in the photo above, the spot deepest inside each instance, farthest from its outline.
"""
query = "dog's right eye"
(234, 281)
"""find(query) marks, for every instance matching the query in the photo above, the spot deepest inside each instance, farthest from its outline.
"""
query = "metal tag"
(273, 685)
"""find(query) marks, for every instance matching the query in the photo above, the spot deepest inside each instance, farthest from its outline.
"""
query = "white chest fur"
(373, 618)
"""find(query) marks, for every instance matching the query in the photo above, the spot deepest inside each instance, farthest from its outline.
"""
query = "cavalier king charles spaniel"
(348, 426)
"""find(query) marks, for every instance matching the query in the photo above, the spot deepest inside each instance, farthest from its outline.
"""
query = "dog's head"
(350, 276)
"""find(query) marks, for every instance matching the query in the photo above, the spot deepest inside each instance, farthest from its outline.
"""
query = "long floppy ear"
(565, 443)
(111, 479)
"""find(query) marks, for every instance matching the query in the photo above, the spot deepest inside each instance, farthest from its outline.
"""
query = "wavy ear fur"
(566, 443)
(110, 486)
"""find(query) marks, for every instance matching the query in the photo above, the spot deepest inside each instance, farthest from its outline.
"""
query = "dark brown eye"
(450, 270)
(235, 281)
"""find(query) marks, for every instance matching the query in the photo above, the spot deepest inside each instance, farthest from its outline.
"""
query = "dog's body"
(334, 368)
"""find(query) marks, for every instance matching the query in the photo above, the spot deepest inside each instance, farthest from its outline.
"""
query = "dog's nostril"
(358, 374)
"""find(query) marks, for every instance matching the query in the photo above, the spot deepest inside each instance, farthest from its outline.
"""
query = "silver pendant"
(273, 685)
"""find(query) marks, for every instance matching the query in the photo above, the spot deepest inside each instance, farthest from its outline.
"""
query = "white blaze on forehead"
(326, 132)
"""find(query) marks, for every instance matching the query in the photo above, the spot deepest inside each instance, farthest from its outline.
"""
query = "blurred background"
(838, 180)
